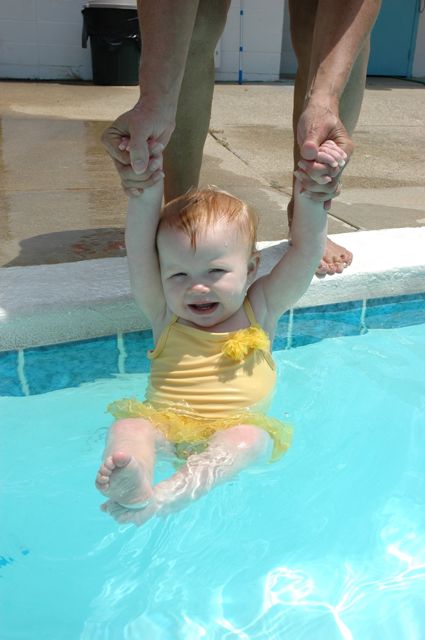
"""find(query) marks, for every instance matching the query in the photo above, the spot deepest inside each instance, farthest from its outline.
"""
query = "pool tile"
(313, 324)
(386, 313)
(136, 345)
(280, 341)
(70, 364)
(9, 380)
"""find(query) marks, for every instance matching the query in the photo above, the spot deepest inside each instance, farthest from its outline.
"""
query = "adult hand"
(141, 125)
(318, 123)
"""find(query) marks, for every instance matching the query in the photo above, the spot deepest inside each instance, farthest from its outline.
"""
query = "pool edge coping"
(92, 298)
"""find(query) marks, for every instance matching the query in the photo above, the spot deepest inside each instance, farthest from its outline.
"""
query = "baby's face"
(206, 286)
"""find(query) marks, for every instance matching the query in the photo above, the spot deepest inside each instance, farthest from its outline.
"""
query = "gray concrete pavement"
(60, 198)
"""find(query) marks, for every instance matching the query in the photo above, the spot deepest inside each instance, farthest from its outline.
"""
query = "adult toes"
(322, 269)
(332, 268)
(339, 267)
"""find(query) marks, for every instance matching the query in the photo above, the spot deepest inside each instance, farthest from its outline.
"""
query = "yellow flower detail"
(245, 340)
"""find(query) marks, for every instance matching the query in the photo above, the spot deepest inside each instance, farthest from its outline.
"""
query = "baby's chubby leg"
(127, 470)
(229, 452)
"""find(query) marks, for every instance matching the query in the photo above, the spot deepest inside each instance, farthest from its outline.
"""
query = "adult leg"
(183, 155)
(126, 473)
(302, 14)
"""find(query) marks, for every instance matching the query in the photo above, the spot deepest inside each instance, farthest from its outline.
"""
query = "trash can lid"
(112, 4)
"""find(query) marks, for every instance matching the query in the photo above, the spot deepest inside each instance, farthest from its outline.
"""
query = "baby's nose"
(199, 287)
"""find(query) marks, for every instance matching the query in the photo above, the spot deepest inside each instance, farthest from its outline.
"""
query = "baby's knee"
(126, 426)
(249, 437)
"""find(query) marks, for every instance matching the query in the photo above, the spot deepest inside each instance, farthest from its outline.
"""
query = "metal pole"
(241, 25)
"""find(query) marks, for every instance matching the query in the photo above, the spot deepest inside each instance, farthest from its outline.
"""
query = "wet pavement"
(60, 198)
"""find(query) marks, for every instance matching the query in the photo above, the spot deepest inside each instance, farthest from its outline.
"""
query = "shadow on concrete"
(70, 246)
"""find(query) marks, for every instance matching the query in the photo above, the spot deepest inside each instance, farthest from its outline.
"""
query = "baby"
(193, 266)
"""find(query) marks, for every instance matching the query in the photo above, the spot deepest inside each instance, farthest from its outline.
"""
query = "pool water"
(326, 544)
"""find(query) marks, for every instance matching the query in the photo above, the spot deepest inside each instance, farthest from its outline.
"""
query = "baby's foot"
(124, 515)
(123, 479)
(335, 260)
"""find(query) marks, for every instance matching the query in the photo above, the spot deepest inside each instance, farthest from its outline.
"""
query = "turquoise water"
(327, 544)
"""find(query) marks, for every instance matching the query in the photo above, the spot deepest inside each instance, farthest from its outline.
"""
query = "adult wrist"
(157, 103)
(324, 99)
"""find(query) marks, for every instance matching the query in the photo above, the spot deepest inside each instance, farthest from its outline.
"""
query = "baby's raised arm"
(142, 222)
(291, 276)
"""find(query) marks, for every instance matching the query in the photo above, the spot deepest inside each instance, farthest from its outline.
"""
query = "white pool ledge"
(50, 304)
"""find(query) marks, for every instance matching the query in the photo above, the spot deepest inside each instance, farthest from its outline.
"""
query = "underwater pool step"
(51, 304)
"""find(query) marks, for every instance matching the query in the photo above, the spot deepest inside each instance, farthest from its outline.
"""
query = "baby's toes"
(107, 467)
(102, 482)
(104, 474)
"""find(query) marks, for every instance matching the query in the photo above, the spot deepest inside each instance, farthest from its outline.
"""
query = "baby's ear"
(253, 265)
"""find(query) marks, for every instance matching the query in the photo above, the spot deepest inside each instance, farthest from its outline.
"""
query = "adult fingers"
(128, 176)
(326, 190)
(135, 189)
(322, 197)
(305, 179)
(111, 139)
(329, 189)
(139, 150)
(155, 148)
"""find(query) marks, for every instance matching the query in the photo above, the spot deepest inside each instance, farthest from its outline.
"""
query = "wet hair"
(197, 210)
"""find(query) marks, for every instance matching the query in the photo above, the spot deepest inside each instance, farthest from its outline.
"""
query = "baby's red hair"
(197, 210)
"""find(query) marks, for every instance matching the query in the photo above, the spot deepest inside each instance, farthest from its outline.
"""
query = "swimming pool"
(328, 543)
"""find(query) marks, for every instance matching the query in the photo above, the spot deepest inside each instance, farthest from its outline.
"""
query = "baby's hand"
(153, 172)
(321, 177)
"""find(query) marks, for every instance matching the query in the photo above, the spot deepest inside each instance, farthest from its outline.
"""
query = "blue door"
(393, 38)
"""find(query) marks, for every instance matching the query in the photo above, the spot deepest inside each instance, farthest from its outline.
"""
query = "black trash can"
(114, 42)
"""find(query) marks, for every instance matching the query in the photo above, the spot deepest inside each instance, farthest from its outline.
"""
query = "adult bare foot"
(335, 260)
(123, 479)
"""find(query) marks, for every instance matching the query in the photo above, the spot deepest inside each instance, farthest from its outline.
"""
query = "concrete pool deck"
(61, 201)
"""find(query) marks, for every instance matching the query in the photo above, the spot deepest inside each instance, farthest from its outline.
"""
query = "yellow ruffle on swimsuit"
(203, 382)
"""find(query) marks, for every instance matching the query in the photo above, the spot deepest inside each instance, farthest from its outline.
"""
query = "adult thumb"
(309, 149)
(139, 155)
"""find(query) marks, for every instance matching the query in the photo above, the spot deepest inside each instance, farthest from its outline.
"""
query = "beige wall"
(262, 41)
(41, 39)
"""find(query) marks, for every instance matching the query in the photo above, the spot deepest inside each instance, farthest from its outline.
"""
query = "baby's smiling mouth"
(204, 307)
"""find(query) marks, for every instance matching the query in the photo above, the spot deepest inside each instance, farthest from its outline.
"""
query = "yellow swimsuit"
(202, 382)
